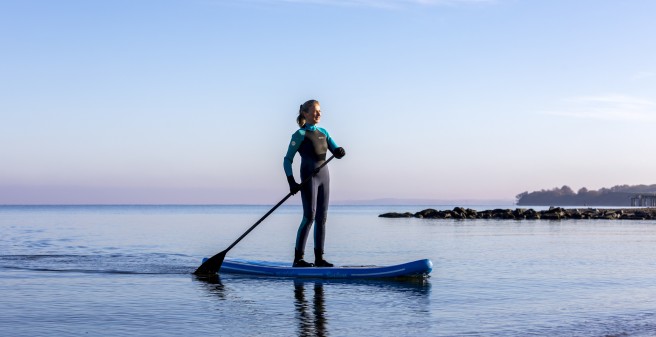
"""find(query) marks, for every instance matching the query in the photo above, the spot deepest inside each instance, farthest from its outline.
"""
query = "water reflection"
(311, 296)
(311, 317)
(320, 307)
(214, 285)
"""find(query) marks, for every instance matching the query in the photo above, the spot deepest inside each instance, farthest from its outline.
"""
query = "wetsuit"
(312, 143)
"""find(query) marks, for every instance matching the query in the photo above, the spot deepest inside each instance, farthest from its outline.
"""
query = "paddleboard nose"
(429, 266)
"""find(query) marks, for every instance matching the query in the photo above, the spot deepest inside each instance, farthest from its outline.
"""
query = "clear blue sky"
(173, 101)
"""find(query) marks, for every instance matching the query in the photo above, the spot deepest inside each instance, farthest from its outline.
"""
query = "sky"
(194, 102)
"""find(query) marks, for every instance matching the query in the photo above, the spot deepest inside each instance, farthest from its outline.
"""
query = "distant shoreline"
(368, 202)
(553, 213)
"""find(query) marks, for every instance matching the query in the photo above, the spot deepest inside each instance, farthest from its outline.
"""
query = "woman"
(312, 143)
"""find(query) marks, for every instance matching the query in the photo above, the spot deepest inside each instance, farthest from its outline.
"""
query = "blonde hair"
(305, 107)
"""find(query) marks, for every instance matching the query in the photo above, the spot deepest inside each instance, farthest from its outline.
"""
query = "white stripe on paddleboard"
(382, 273)
(247, 270)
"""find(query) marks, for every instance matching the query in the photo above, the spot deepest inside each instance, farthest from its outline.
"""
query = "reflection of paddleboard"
(281, 269)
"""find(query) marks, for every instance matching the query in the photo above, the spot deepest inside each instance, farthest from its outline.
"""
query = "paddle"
(212, 265)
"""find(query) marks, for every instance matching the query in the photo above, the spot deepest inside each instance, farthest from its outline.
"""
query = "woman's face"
(313, 115)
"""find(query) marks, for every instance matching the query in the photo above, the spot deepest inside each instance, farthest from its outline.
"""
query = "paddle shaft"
(217, 259)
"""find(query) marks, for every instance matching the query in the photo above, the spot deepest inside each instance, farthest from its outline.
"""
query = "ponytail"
(305, 107)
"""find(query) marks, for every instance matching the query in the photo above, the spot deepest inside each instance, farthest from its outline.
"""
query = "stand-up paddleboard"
(281, 269)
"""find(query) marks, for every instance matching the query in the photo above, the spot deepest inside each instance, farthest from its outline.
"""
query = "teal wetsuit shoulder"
(331, 143)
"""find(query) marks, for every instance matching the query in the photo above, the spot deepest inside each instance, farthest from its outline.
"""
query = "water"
(126, 270)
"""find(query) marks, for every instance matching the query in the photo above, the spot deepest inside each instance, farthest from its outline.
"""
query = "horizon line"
(367, 202)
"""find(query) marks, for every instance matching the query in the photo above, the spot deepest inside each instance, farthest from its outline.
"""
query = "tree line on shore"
(619, 195)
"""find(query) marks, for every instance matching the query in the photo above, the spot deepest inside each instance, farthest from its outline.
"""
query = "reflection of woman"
(310, 324)
(312, 143)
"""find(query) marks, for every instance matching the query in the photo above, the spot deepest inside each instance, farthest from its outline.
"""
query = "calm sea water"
(126, 270)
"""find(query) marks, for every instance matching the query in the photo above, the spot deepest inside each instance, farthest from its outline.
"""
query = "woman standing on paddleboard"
(312, 143)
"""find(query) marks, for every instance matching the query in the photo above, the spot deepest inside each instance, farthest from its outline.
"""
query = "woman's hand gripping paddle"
(212, 265)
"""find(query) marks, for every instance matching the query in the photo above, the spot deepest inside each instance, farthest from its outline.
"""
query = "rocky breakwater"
(553, 213)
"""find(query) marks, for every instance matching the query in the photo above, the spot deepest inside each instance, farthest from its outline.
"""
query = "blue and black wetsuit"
(312, 143)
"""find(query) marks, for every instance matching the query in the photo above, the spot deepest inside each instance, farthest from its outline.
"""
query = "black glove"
(293, 186)
(339, 152)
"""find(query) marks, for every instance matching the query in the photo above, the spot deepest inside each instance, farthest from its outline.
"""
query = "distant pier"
(644, 200)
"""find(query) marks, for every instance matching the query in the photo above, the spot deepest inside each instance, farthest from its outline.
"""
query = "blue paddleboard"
(281, 269)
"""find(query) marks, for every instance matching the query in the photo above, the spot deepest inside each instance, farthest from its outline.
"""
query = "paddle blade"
(212, 265)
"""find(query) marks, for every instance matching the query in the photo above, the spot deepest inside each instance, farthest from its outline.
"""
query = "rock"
(548, 215)
(642, 215)
(396, 215)
(505, 214)
(519, 213)
(427, 213)
(459, 210)
(554, 213)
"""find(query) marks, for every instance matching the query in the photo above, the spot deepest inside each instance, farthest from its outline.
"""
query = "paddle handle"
(278, 204)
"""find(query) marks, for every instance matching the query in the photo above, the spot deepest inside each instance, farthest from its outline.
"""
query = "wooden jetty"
(643, 200)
